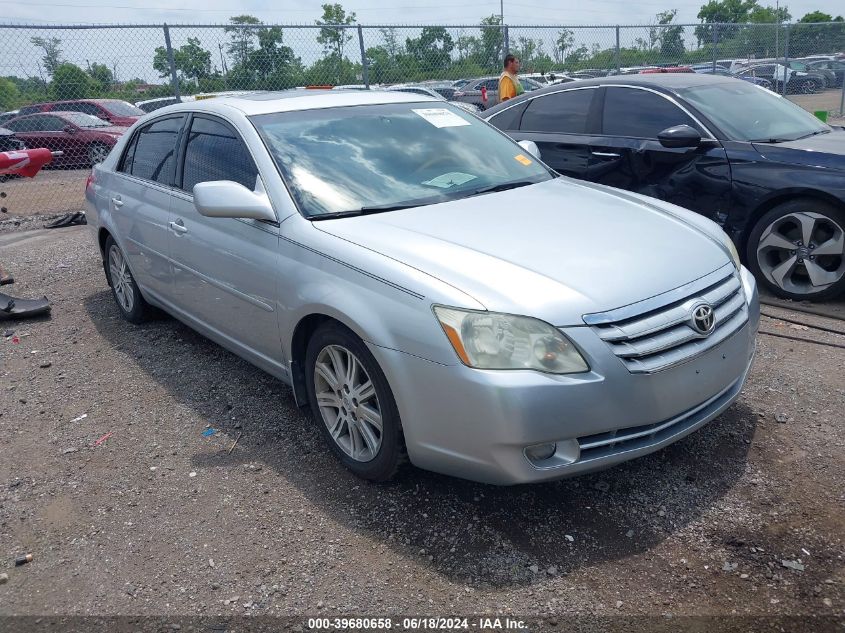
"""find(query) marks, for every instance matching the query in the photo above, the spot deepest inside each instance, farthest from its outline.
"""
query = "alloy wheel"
(121, 279)
(802, 252)
(348, 403)
(98, 153)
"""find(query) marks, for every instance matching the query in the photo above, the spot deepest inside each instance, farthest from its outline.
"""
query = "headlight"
(729, 244)
(487, 340)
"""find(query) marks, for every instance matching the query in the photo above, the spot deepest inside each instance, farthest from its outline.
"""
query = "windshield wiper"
(362, 211)
(816, 133)
(504, 186)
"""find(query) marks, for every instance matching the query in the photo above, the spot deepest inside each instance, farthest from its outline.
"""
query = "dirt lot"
(828, 101)
(107, 479)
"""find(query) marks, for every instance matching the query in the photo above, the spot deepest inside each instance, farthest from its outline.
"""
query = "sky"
(368, 11)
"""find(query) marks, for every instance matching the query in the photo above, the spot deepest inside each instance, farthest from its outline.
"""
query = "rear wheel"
(97, 153)
(129, 301)
(353, 403)
(797, 250)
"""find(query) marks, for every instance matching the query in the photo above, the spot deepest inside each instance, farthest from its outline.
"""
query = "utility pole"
(777, 28)
(502, 12)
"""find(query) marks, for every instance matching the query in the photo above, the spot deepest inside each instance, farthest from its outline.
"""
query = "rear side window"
(29, 109)
(559, 113)
(81, 106)
(508, 119)
(633, 113)
(152, 153)
(216, 152)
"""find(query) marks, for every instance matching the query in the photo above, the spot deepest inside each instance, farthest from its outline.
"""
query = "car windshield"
(85, 120)
(122, 108)
(369, 158)
(746, 112)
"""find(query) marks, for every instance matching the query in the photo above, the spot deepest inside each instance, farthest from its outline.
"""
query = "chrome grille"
(662, 337)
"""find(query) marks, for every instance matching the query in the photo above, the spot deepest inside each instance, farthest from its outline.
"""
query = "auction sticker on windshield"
(440, 117)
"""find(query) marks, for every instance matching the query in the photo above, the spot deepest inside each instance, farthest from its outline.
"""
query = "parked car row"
(768, 172)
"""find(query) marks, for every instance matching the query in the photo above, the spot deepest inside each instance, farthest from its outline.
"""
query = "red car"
(668, 69)
(83, 139)
(114, 111)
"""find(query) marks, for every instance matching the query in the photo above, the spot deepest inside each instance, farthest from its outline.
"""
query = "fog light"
(539, 452)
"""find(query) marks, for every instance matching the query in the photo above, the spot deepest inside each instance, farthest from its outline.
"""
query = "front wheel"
(797, 250)
(353, 404)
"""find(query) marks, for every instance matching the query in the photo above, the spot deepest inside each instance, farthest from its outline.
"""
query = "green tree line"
(256, 56)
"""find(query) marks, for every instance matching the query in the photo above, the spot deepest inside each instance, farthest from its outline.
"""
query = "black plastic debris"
(14, 308)
(69, 219)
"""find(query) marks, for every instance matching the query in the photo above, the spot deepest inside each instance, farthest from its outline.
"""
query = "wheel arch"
(780, 197)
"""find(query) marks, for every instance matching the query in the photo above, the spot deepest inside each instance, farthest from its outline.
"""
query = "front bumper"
(476, 424)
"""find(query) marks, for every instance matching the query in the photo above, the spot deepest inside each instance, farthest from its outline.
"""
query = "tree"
(334, 38)
(721, 11)
(468, 46)
(102, 76)
(491, 52)
(191, 60)
(670, 38)
(70, 82)
(818, 16)
(52, 52)
(810, 37)
(241, 37)
(432, 50)
(565, 41)
(391, 42)
(9, 95)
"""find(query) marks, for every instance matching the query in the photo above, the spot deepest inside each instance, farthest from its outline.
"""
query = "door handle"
(178, 227)
(117, 202)
(606, 154)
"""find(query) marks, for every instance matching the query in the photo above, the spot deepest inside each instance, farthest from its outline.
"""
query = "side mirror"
(227, 199)
(531, 148)
(70, 129)
(679, 136)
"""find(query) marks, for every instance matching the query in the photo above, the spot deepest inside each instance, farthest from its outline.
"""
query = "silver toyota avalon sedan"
(428, 288)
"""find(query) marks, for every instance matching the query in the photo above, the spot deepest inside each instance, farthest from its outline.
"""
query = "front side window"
(633, 113)
(215, 152)
(372, 158)
(745, 112)
(559, 113)
(153, 151)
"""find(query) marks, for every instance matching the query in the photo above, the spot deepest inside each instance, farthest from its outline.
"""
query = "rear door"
(225, 269)
(140, 203)
(560, 123)
(632, 158)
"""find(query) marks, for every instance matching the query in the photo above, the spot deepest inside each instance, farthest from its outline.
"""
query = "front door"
(225, 269)
(630, 156)
(560, 123)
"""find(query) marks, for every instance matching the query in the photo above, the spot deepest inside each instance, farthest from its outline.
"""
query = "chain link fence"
(76, 88)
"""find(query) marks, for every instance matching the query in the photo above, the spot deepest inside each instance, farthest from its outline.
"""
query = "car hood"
(822, 150)
(555, 250)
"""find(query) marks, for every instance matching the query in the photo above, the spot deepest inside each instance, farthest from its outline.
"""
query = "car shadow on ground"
(478, 534)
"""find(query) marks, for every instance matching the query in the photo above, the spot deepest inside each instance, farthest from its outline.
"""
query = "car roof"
(298, 99)
(663, 82)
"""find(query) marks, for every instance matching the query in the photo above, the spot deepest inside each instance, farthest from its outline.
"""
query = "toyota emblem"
(703, 319)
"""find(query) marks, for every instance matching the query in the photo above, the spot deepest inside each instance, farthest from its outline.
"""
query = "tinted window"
(154, 152)
(216, 152)
(640, 114)
(87, 108)
(508, 119)
(36, 124)
(122, 108)
(30, 109)
(559, 113)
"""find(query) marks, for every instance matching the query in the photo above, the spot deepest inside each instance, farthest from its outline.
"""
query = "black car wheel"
(353, 404)
(797, 250)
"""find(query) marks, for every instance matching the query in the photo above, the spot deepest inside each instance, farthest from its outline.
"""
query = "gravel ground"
(126, 507)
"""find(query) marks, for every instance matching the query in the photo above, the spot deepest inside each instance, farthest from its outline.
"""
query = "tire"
(97, 153)
(780, 258)
(125, 291)
(347, 423)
